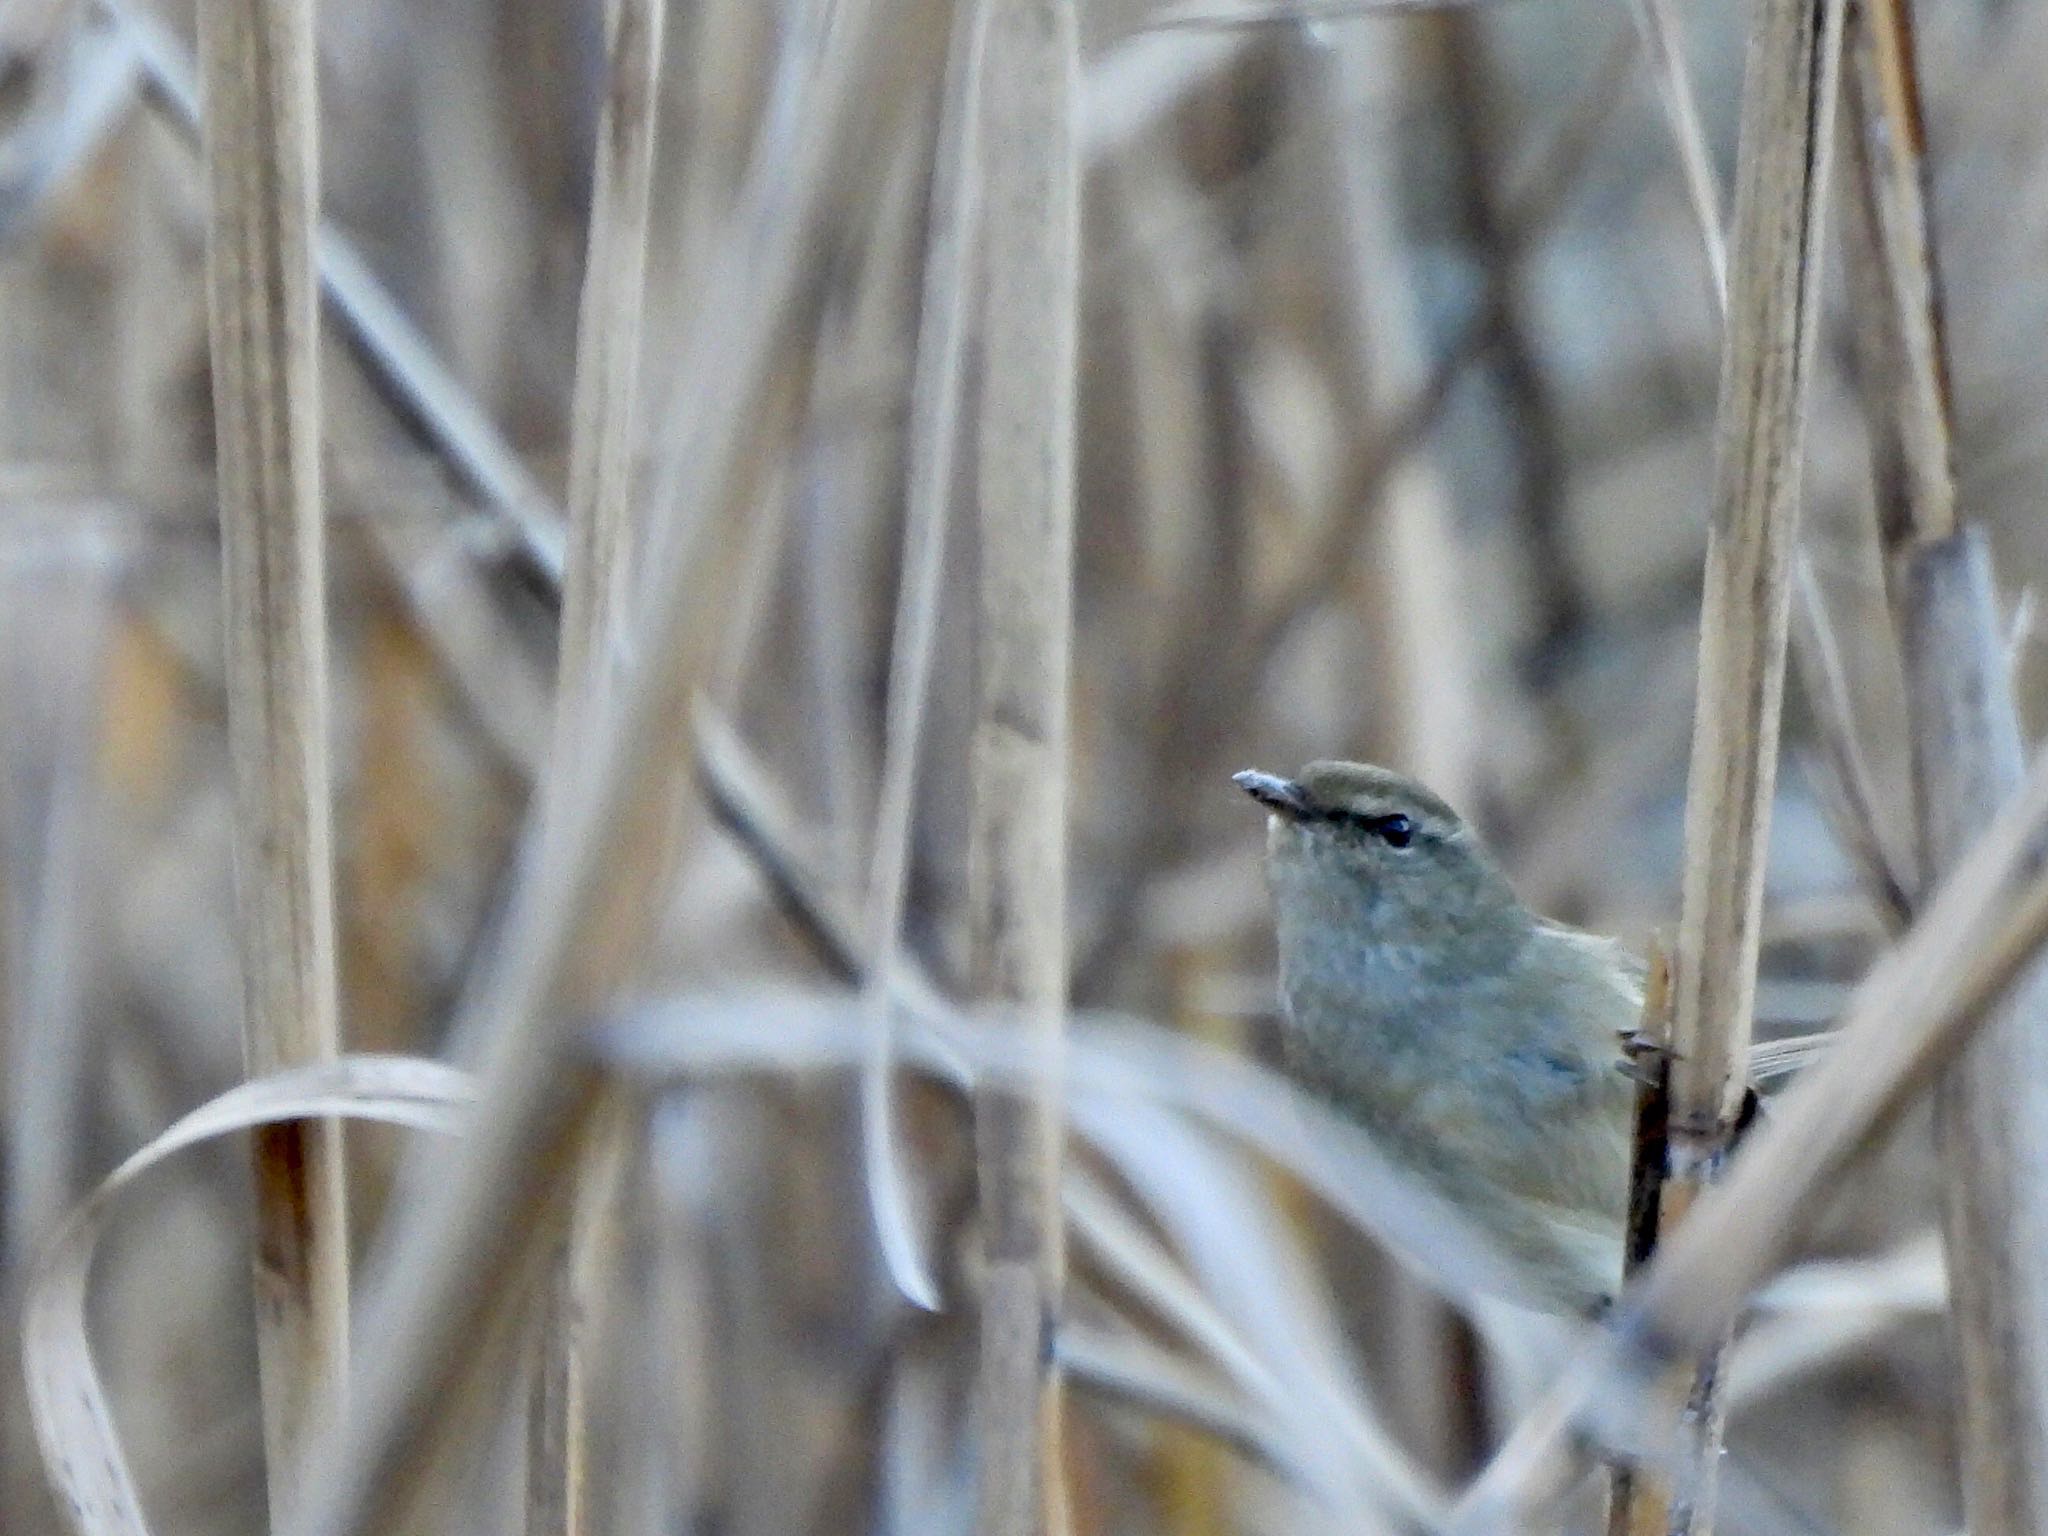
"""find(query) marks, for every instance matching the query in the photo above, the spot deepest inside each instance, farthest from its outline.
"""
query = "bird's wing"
(1630, 972)
(1773, 1059)
(1571, 1252)
(1769, 1060)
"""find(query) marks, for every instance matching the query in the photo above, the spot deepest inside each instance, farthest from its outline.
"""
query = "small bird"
(1478, 1043)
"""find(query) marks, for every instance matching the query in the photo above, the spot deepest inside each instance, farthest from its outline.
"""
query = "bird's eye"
(1395, 831)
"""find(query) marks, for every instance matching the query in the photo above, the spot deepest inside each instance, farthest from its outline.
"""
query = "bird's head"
(1380, 856)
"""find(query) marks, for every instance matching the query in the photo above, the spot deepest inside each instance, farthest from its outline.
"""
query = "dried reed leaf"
(935, 409)
(56, 635)
(1116, 1060)
(450, 597)
(74, 1425)
(1127, 1368)
(1262, 1316)
(1827, 1312)
(1132, 1258)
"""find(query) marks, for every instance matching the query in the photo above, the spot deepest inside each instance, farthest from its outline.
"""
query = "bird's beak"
(1284, 797)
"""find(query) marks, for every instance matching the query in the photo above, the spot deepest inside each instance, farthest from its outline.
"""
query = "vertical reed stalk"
(1991, 1103)
(1639, 1504)
(1017, 848)
(1782, 173)
(1899, 315)
(1968, 758)
(603, 419)
(257, 69)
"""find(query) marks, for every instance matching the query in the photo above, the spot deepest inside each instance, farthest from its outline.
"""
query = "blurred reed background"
(732, 359)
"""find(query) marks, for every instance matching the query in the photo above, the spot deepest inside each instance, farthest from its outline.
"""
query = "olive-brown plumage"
(1477, 1042)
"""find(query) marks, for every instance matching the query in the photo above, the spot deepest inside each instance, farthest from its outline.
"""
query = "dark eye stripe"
(1395, 829)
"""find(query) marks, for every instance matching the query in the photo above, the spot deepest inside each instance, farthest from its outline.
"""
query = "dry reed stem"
(1017, 832)
(1788, 95)
(412, 376)
(558, 1405)
(744, 802)
(260, 136)
(1992, 1102)
(1781, 187)
(717, 115)
(578, 921)
(1639, 1504)
(1909, 386)
(603, 418)
(1967, 756)
(937, 385)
